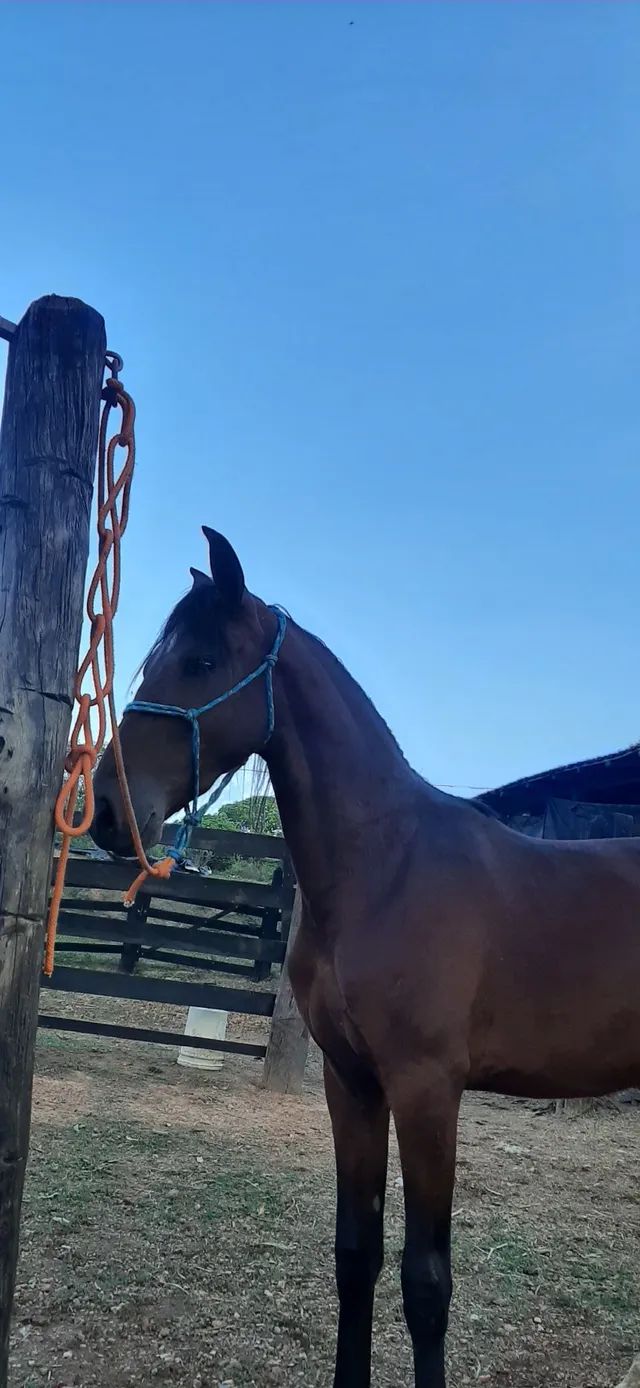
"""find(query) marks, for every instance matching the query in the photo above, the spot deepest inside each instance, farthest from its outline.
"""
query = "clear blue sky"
(377, 287)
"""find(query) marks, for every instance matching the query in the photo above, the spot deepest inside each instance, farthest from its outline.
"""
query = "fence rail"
(235, 926)
(231, 843)
(111, 985)
(163, 1038)
(227, 843)
(199, 940)
(187, 887)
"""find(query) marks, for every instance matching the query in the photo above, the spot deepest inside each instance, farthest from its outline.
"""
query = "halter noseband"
(193, 815)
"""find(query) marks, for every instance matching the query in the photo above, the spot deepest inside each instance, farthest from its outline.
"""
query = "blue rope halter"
(193, 816)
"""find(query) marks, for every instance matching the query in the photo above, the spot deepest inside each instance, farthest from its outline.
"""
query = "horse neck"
(338, 774)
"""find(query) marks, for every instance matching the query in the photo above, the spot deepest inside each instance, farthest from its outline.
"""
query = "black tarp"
(612, 780)
(575, 819)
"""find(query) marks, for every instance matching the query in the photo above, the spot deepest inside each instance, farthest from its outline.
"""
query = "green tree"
(257, 814)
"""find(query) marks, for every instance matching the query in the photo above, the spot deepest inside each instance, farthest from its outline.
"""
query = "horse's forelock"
(195, 614)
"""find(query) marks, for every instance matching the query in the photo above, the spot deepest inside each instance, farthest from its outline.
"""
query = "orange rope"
(102, 605)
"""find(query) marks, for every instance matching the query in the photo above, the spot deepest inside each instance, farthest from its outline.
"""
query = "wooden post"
(269, 929)
(136, 916)
(286, 1056)
(47, 462)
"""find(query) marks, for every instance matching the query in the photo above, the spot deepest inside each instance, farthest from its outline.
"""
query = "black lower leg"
(426, 1122)
(361, 1130)
(426, 1290)
(357, 1271)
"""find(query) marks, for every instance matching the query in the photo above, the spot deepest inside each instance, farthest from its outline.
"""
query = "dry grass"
(178, 1231)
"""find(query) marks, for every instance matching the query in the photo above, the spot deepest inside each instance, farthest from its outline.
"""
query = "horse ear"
(200, 580)
(226, 569)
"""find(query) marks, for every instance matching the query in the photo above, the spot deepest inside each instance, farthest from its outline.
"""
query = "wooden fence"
(221, 925)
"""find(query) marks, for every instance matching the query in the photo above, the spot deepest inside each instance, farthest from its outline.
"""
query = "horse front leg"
(426, 1119)
(360, 1122)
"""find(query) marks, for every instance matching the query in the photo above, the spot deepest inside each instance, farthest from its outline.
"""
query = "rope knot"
(112, 389)
(161, 870)
(78, 754)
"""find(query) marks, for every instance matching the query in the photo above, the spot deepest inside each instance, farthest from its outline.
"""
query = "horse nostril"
(103, 829)
(109, 831)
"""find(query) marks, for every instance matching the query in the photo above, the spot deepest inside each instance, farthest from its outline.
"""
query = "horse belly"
(571, 1053)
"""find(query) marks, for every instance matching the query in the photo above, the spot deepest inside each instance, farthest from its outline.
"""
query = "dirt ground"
(178, 1230)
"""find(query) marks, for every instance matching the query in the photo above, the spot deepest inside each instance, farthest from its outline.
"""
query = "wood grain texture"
(102, 984)
(188, 887)
(209, 942)
(47, 463)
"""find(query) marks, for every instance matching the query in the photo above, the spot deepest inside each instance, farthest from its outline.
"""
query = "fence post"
(269, 929)
(136, 916)
(47, 461)
(288, 1045)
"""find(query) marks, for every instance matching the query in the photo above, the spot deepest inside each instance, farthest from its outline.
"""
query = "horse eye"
(197, 665)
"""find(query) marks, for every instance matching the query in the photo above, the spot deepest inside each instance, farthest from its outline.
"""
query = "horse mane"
(200, 606)
(476, 805)
(346, 675)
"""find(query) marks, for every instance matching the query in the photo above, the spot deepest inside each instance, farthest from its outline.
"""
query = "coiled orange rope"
(102, 605)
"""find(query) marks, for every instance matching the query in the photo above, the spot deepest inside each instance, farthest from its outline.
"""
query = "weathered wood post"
(47, 461)
(286, 1057)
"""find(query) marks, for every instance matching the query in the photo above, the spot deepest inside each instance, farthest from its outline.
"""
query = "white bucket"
(204, 1021)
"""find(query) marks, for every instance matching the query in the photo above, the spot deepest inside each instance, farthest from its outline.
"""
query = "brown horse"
(439, 951)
